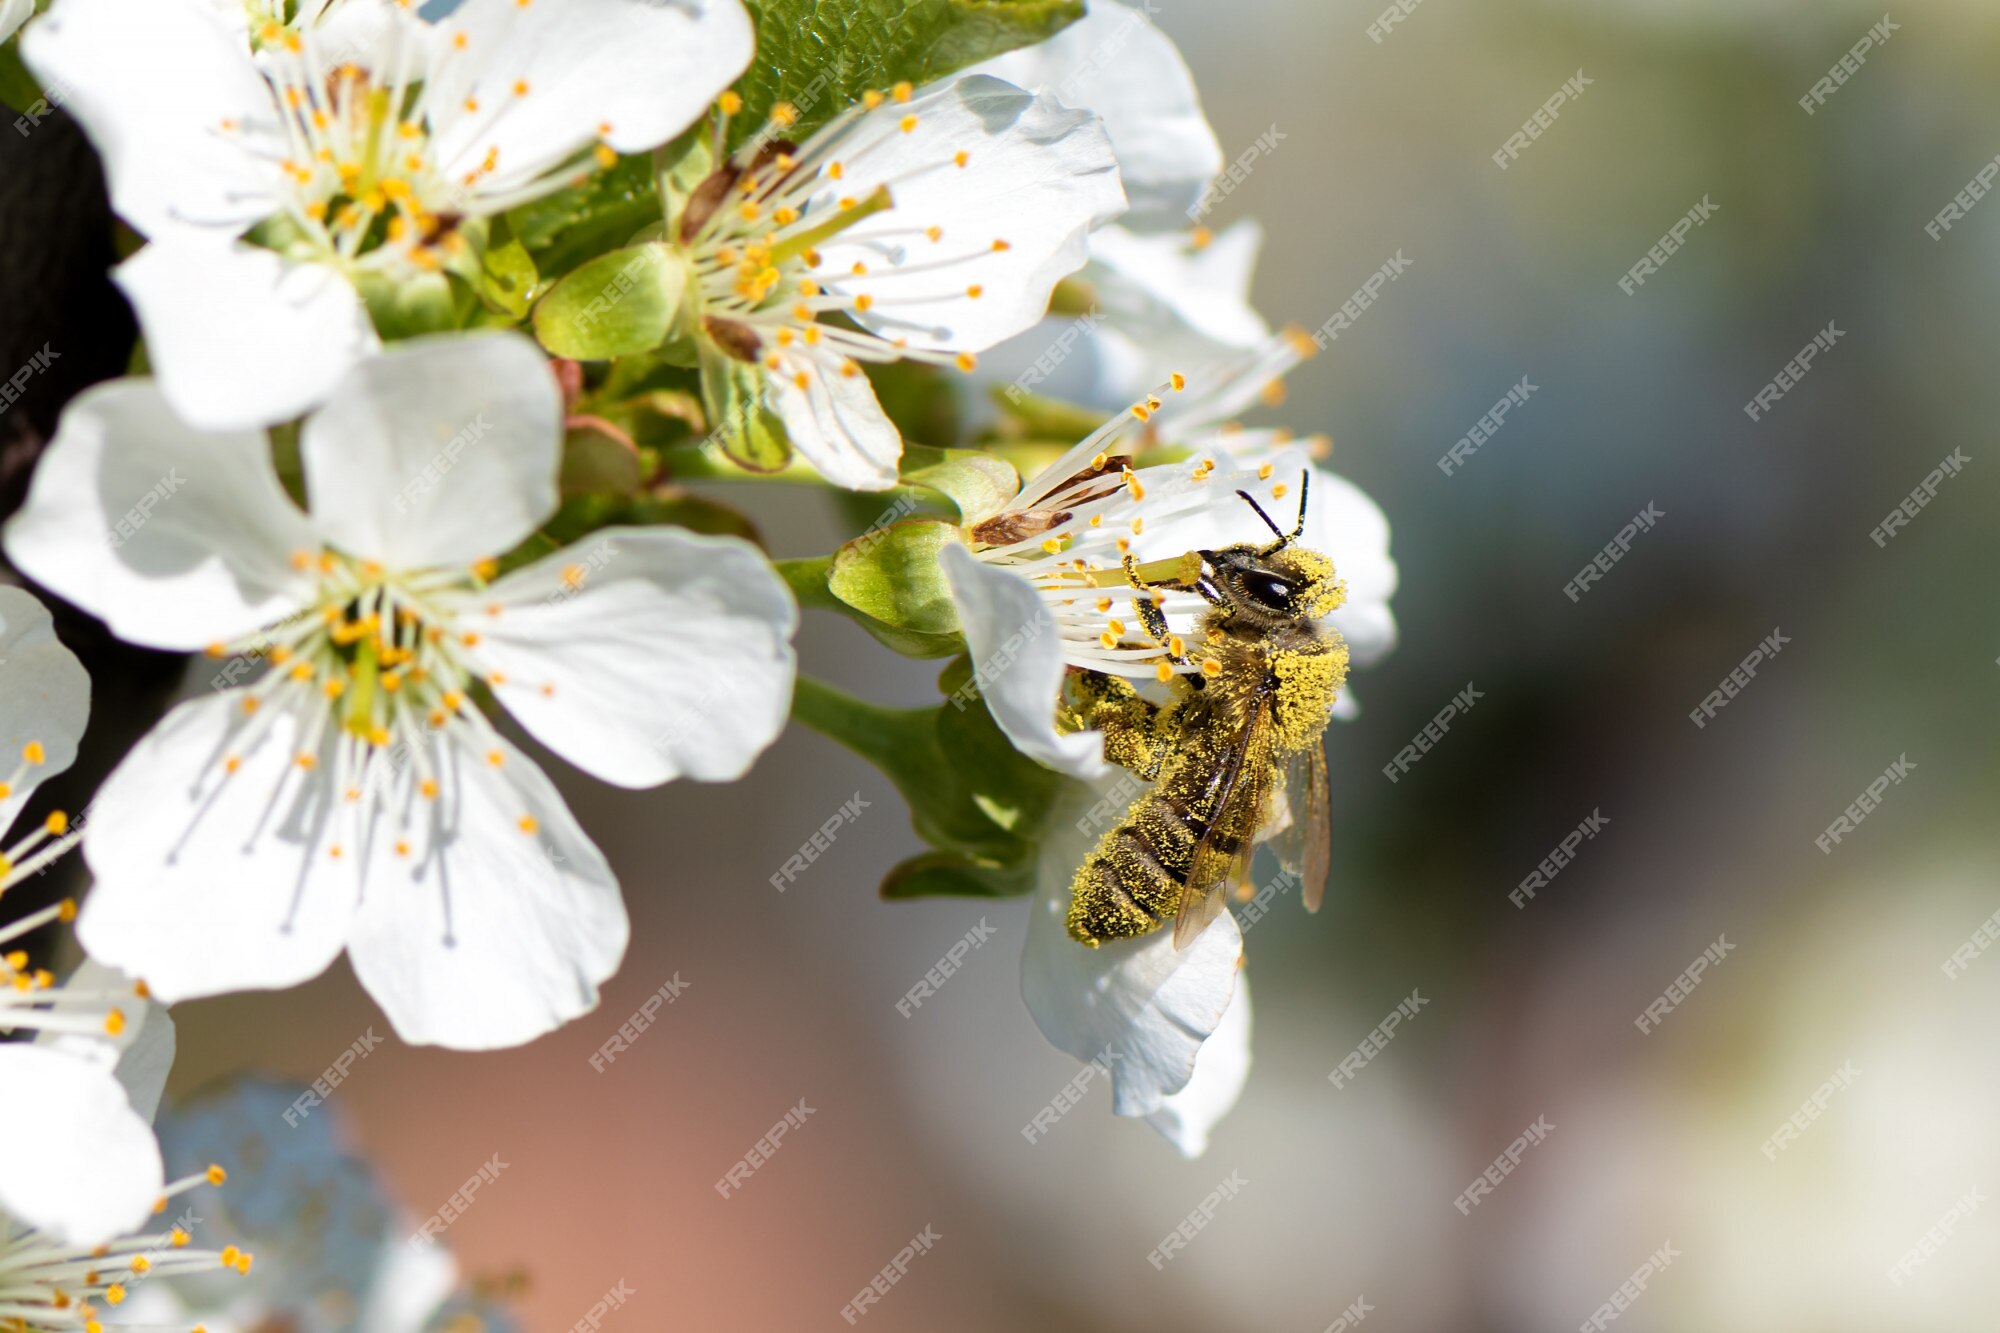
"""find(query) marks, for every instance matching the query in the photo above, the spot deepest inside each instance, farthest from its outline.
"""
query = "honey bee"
(1242, 730)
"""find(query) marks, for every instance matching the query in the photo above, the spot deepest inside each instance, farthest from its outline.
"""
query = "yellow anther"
(863, 301)
(966, 361)
(784, 114)
(520, 87)
(528, 825)
(57, 823)
(1001, 245)
(975, 291)
(729, 103)
(1211, 667)
(1278, 491)
(429, 788)
(307, 762)
(66, 910)
(115, 1294)
(334, 687)
(114, 1022)
(1164, 672)
(141, 1264)
(872, 99)
(606, 155)
(1177, 646)
(960, 158)
(495, 758)
(907, 124)
(1200, 237)
(1264, 472)
(34, 753)
(1103, 605)
(178, 1238)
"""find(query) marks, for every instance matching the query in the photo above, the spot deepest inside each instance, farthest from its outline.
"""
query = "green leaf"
(972, 796)
(956, 875)
(893, 576)
(606, 212)
(978, 483)
(809, 582)
(619, 303)
(822, 55)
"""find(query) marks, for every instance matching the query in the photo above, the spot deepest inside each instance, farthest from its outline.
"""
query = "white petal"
(1017, 658)
(646, 654)
(1165, 285)
(152, 84)
(439, 452)
(210, 882)
(142, 1053)
(1116, 63)
(645, 69)
(835, 423)
(508, 934)
(409, 1286)
(76, 1160)
(44, 696)
(240, 337)
(1036, 176)
(1140, 1006)
(13, 13)
(174, 537)
(1220, 1072)
(1157, 305)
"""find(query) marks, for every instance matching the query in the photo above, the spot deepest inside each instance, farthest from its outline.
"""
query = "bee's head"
(1282, 581)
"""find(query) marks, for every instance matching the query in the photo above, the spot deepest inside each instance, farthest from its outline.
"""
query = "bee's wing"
(1305, 845)
(1222, 857)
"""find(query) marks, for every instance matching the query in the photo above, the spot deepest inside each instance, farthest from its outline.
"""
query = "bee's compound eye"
(1269, 589)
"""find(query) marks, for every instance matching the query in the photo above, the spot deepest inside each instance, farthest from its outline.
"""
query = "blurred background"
(1835, 961)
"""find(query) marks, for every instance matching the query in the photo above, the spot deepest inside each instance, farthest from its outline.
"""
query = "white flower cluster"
(338, 479)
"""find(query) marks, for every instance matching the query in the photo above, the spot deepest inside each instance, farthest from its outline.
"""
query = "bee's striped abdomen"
(1132, 882)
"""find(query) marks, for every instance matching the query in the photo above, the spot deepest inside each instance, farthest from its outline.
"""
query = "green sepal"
(749, 432)
(410, 307)
(681, 166)
(809, 582)
(978, 483)
(618, 304)
(822, 55)
(595, 463)
(507, 276)
(893, 575)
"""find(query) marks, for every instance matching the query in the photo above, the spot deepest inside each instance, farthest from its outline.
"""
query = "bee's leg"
(1135, 734)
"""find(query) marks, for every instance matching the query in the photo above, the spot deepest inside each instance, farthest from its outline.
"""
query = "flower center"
(753, 231)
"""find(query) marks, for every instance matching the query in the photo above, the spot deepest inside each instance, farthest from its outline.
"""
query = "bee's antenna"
(1305, 484)
(1276, 531)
